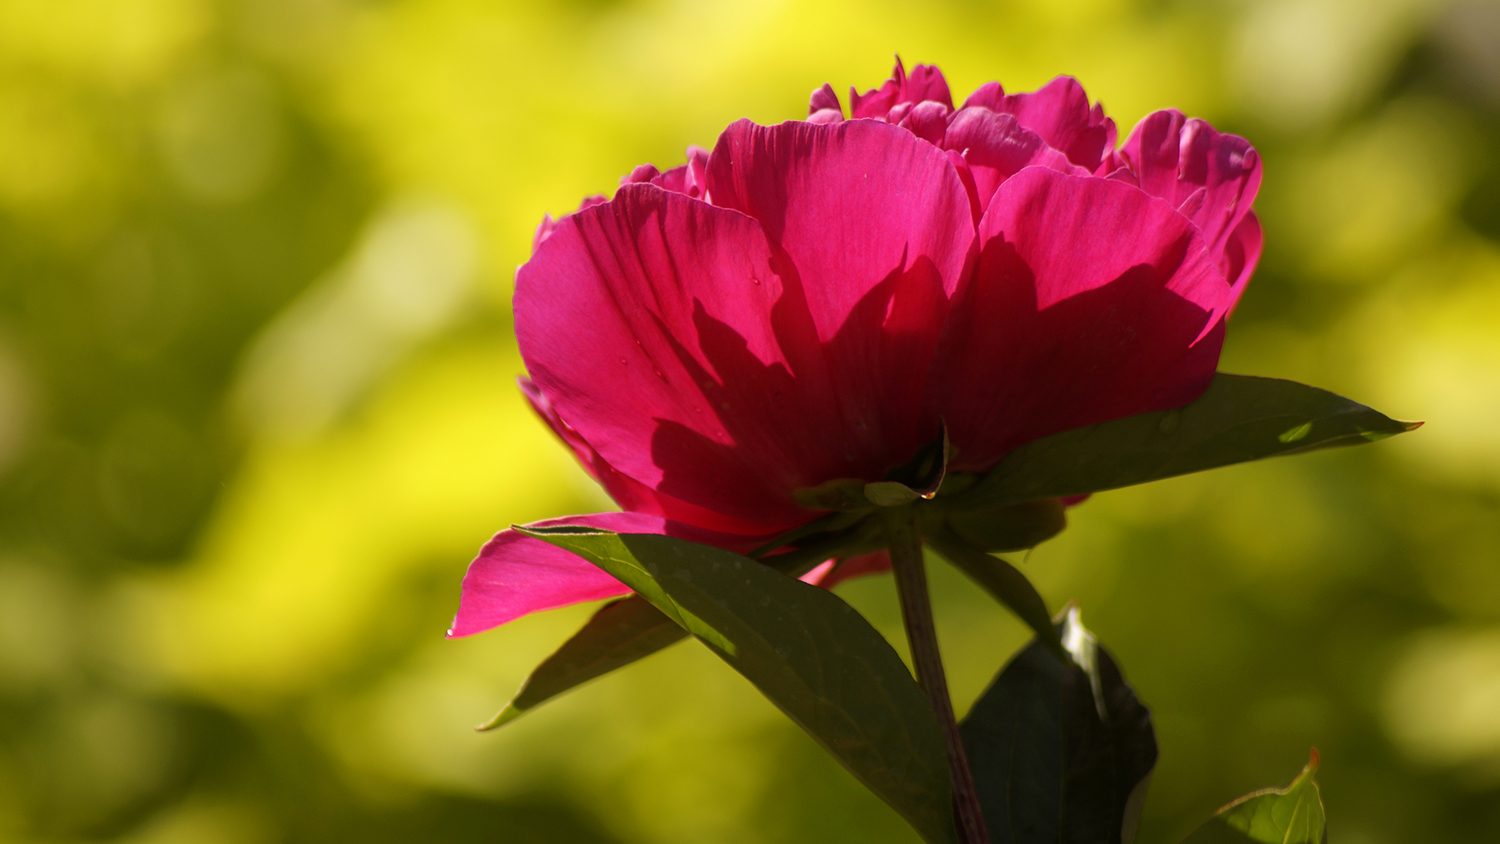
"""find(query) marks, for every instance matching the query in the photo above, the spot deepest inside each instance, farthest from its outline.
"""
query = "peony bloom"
(817, 300)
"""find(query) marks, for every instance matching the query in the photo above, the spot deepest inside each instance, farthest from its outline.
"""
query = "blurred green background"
(257, 413)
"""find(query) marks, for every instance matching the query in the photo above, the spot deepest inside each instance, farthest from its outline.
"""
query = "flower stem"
(905, 546)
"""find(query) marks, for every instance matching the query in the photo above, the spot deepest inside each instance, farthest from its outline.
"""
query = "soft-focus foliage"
(256, 415)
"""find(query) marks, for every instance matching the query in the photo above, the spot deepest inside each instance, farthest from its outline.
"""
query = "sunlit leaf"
(1291, 815)
(618, 634)
(1240, 418)
(809, 652)
(1061, 752)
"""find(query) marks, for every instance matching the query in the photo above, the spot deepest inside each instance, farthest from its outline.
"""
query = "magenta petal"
(925, 82)
(686, 178)
(996, 146)
(1241, 254)
(850, 204)
(641, 173)
(1060, 113)
(648, 323)
(516, 575)
(629, 493)
(831, 573)
(927, 120)
(876, 229)
(545, 227)
(1175, 158)
(1091, 301)
(824, 106)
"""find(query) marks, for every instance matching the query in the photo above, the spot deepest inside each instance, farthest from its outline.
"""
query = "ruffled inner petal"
(1174, 157)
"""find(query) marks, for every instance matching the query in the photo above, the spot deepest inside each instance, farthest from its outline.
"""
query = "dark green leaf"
(618, 634)
(1291, 815)
(806, 650)
(1002, 580)
(1239, 418)
(1008, 527)
(1061, 752)
(631, 628)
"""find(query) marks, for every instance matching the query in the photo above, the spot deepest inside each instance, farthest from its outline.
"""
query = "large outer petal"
(874, 229)
(1058, 111)
(1212, 178)
(1091, 301)
(628, 492)
(678, 342)
(647, 323)
(515, 575)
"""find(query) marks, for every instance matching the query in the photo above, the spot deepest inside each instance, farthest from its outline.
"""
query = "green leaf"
(1061, 752)
(618, 634)
(1291, 815)
(809, 652)
(1238, 419)
(1002, 580)
(1008, 527)
(631, 629)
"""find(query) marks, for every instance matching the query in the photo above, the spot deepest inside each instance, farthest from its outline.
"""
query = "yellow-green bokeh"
(257, 413)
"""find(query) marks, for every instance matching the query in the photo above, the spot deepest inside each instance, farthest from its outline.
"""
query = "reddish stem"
(905, 545)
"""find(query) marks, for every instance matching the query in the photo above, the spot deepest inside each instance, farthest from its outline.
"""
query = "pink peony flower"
(813, 301)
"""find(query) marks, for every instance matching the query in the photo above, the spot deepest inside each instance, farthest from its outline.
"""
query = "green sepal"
(839, 494)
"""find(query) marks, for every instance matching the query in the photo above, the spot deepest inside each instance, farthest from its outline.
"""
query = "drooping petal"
(516, 575)
(1212, 178)
(996, 146)
(1060, 113)
(1090, 301)
(875, 228)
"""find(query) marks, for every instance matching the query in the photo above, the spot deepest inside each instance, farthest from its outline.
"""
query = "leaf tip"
(1412, 426)
(510, 713)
